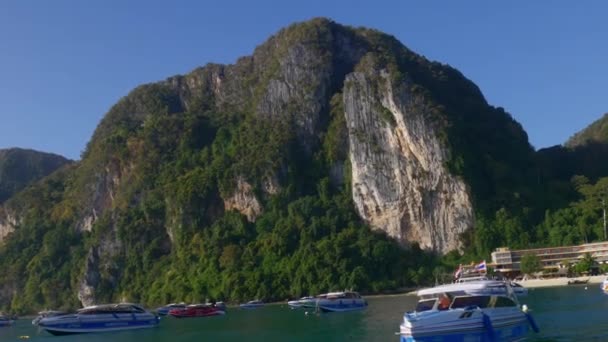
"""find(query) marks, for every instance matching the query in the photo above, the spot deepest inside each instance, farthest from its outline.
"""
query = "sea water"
(573, 313)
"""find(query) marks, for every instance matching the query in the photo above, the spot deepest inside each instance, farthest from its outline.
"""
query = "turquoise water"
(563, 314)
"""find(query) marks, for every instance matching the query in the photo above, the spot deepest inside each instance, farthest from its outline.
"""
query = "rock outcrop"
(244, 201)
(8, 222)
(399, 180)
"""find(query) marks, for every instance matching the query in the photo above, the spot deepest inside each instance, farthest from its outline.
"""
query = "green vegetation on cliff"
(19, 168)
(596, 132)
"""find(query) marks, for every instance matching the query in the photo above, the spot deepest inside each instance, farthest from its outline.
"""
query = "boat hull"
(337, 305)
(516, 332)
(80, 324)
(208, 314)
(466, 325)
(72, 331)
(192, 312)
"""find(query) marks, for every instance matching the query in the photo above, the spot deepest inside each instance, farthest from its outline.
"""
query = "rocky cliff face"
(8, 222)
(18, 169)
(399, 180)
(244, 201)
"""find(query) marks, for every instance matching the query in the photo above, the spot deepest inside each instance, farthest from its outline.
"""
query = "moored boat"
(197, 310)
(298, 303)
(578, 282)
(337, 302)
(477, 278)
(100, 318)
(253, 304)
(604, 285)
(219, 305)
(457, 312)
(164, 310)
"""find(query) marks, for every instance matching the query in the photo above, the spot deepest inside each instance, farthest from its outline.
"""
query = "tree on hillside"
(595, 200)
(530, 263)
(585, 265)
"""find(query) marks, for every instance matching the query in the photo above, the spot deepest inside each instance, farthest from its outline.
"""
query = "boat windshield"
(463, 302)
(425, 305)
(503, 302)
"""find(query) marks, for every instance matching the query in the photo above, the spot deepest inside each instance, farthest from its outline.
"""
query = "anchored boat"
(459, 312)
(476, 277)
(337, 302)
(493, 286)
(253, 304)
(100, 318)
(197, 310)
(604, 285)
(302, 302)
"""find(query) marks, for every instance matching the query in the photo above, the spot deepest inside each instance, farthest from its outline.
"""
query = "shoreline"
(530, 283)
(563, 281)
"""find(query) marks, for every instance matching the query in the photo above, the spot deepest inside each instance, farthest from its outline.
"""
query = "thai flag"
(458, 272)
(481, 266)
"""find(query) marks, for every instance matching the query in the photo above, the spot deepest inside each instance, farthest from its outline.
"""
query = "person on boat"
(444, 302)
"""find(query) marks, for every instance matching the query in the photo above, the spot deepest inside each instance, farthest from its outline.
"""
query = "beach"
(563, 281)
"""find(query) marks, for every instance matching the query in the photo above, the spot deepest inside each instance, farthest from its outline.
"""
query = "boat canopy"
(111, 308)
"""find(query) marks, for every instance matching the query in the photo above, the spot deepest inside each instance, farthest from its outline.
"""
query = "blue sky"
(63, 64)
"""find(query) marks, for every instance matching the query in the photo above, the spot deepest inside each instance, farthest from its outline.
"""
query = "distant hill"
(20, 167)
(597, 132)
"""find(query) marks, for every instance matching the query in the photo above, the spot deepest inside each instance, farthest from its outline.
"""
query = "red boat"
(197, 310)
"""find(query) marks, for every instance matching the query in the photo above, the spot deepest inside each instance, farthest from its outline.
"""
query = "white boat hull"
(78, 324)
(500, 324)
(337, 305)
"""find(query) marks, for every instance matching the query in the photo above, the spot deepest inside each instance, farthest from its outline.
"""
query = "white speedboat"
(164, 310)
(494, 285)
(253, 304)
(47, 313)
(298, 303)
(454, 312)
(604, 285)
(101, 318)
(337, 302)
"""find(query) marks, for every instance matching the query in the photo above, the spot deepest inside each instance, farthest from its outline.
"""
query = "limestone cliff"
(8, 222)
(399, 180)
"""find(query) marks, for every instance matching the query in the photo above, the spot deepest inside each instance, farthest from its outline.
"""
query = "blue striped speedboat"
(465, 312)
(336, 302)
(101, 318)
(253, 304)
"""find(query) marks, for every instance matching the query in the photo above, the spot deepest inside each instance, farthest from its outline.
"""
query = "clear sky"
(63, 64)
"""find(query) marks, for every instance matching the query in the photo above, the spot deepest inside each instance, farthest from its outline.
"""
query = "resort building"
(506, 260)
